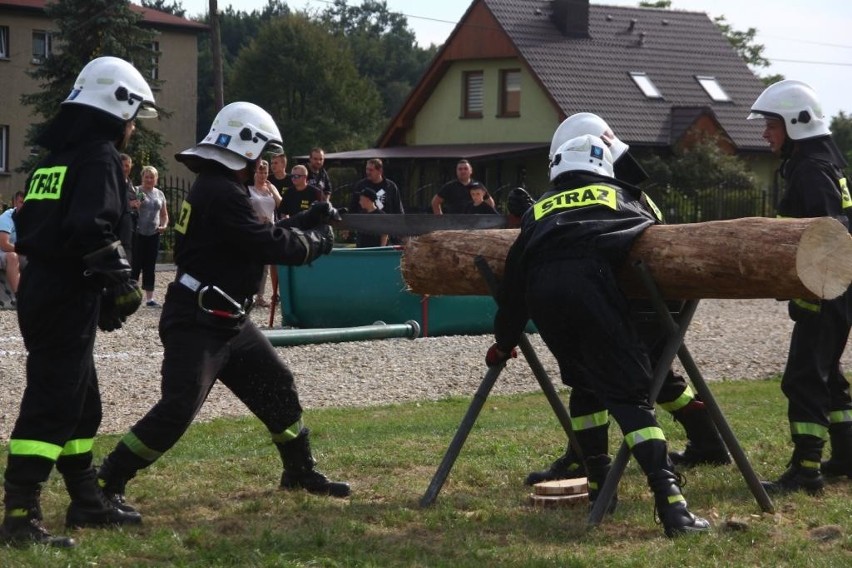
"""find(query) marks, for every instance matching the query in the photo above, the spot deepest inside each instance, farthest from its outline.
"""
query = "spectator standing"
(300, 196)
(368, 205)
(128, 235)
(388, 198)
(818, 401)
(10, 261)
(278, 173)
(455, 195)
(265, 199)
(317, 175)
(477, 205)
(77, 279)
(153, 220)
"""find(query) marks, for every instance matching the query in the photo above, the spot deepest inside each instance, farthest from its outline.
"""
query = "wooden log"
(753, 257)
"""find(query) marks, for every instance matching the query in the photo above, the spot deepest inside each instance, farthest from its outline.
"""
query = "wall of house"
(439, 120)
(178, 94)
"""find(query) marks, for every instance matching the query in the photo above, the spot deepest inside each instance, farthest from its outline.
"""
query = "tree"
(307, 80)
(666, 4)
(841, 131)
(88, 29)
(175, 7)
(745, 45)
(385, 48)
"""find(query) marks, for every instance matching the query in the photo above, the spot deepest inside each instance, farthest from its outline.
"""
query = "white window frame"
(155, 61)
(46, 38)
(4, 42)
(646, 85)
(4, 148)
(713, 89)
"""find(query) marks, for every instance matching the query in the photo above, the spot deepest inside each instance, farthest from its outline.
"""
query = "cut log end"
(824, 262)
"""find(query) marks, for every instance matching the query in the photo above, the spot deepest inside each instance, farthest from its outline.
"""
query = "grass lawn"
(213, 500)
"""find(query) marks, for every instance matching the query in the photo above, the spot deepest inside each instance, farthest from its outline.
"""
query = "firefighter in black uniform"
(560, 272)
(220, 251)
(819, 405)
(704, 445)
(77, 279)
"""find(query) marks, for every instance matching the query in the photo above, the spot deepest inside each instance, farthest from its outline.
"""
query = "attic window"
(713, 88)
(472, 95)
(645, 85)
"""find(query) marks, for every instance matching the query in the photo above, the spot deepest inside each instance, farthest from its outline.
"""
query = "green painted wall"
(440, 122)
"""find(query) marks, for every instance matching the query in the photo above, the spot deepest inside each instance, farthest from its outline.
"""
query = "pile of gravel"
(729, 339)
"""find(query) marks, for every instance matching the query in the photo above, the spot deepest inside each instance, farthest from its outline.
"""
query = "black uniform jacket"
(219, 240)
(75, 201)
(815, 184)
(586, 215)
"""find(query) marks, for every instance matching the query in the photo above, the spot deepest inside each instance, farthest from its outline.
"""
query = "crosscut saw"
(411, 224)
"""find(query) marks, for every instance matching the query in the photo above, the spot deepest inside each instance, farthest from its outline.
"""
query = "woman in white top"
(265, 199)
(153, 220)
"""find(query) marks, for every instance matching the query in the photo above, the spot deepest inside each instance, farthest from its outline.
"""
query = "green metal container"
(352, 287)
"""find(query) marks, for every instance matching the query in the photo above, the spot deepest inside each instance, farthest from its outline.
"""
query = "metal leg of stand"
(481, 396)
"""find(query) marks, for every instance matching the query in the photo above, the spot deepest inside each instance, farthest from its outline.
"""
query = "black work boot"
(89, 506)
(22, 519)
(566, 466)
(704, 445)
(299, 472)
(670, 505)
(113, 483)
(840, 462)
(803, 473)
(598, 467)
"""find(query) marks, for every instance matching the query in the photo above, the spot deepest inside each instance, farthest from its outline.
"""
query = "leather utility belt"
(215, 301)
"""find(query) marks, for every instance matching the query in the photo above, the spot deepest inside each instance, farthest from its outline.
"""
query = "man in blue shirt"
(10, 262)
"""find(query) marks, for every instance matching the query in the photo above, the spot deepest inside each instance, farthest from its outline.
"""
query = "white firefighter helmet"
(794, 103)
(584, 153)
(587, 123)
(115, 87)
(240, 133)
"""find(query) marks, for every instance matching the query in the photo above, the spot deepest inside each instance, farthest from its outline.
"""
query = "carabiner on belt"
(239, 311)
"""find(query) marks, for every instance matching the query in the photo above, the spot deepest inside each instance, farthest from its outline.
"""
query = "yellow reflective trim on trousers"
(140, 449)
(806, 305)
(644, 435)
(34, 448)
(809, 429)
(580, 197)
(685, 398)
(77, 447)
(590, 421)
(840, 416)
(46, 183)
(290, 434)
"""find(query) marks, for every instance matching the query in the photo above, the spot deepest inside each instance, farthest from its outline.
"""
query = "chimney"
(571, 17)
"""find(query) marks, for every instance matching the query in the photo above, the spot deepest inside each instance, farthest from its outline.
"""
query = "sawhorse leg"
(481, 395)
(674, 346)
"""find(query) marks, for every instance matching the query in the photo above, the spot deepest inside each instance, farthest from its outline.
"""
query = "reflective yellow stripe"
(137, 447)
(289, 434)
(76, 447)
(809, 429)
(581, 197)
(653, 207)
(806, 305)
(644, 435)
(34, 448)
(809, 464)
(675, 498)
(685, 398)
(840, 416)
(46, 183)
(845, 198)
(590, 421)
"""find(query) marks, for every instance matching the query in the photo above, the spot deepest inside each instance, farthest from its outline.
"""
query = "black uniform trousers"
(58, 314)
(584, 319)
(199, 349)
(813, 380)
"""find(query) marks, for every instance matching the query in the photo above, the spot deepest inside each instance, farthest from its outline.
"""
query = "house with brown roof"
(26, 39)
(512, 70)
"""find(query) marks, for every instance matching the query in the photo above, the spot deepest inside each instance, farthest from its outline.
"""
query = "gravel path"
(728, 339)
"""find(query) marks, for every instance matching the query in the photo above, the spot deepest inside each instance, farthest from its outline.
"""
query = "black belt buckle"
(239, 310)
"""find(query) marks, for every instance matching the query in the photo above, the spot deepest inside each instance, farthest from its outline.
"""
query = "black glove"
(117, 303)
(107, 266)
(496, 356)
(317, 242)
(519, 201)
(319, 213)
